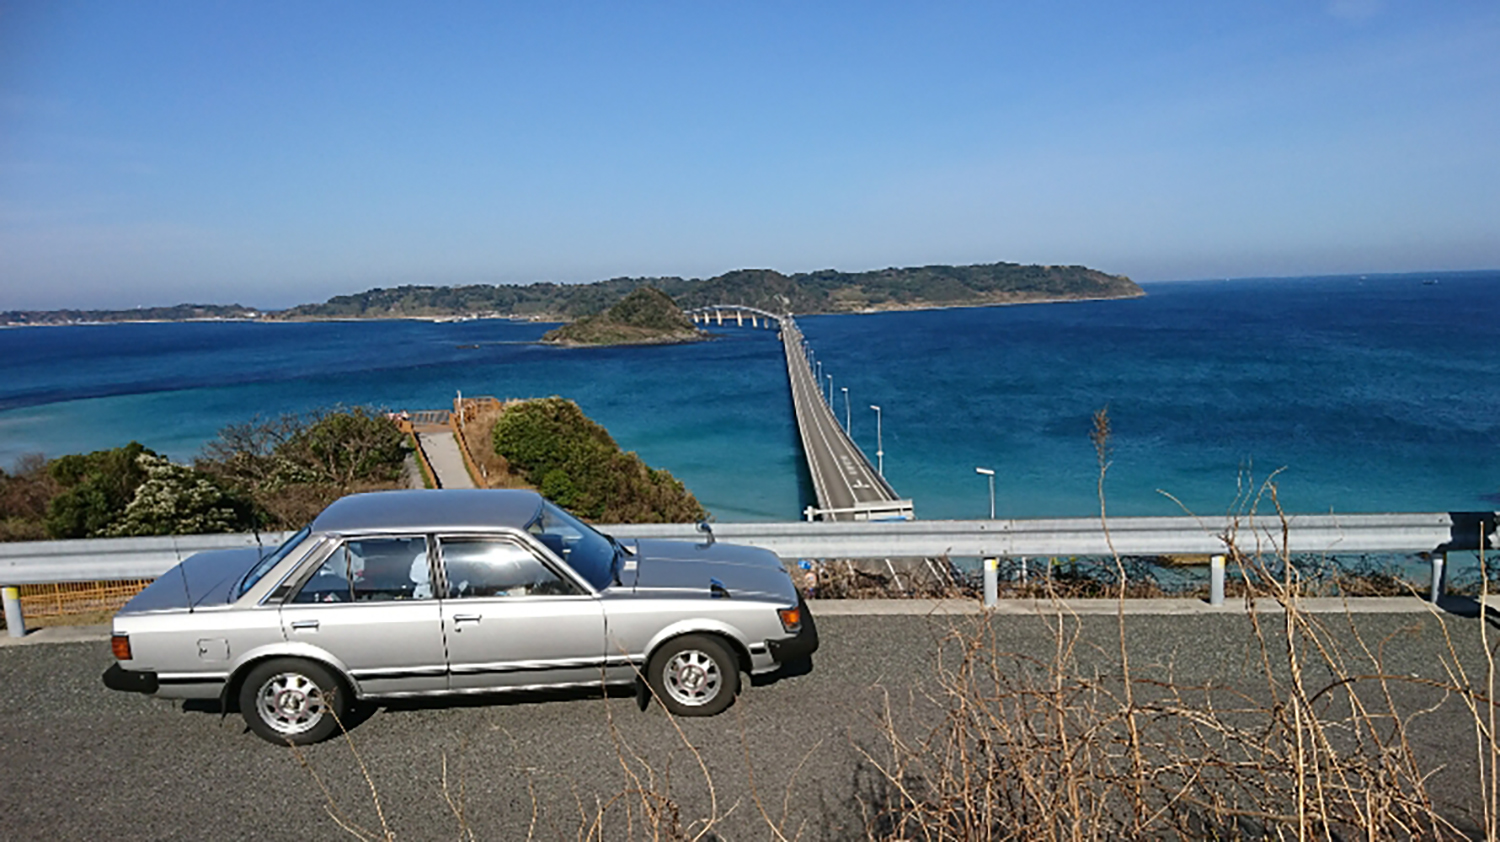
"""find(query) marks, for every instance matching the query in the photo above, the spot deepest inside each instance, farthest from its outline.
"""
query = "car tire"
(289, 700)
(694, 675)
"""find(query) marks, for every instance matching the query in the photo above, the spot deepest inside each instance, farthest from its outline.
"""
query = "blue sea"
(1360, 394)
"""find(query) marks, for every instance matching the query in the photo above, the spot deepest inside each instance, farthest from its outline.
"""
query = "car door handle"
(466, 618)
(304, 624)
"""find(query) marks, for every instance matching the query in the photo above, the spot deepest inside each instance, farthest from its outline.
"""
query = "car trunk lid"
(200, 580)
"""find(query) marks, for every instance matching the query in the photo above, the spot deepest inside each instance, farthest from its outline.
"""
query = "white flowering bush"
(176, 500)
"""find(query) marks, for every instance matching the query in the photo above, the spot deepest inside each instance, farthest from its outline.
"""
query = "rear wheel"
(694, 675)
(288, 700)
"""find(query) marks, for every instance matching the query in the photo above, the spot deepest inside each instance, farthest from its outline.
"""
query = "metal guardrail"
(128, 558)
(104, 559)
(1435, 532)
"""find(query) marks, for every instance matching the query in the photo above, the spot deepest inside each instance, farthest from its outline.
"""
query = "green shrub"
(131, 490)
(95, 489)
(577, 464)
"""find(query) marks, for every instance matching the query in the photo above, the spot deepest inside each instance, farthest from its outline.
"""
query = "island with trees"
(824, 291)
(647, 316)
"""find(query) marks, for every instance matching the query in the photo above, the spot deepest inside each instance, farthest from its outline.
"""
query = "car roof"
(429, 510)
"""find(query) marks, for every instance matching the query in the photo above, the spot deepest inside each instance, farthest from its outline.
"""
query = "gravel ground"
(84, 762)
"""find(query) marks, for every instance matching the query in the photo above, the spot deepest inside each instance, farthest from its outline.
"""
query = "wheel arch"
(739, 650)
(231, 693)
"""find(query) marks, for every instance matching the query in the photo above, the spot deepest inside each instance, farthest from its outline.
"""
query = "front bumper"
(130, 681)
(800, 645)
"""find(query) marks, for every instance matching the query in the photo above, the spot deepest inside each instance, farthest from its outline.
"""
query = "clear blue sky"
(272, 153)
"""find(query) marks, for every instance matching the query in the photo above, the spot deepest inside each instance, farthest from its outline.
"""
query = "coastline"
(551, 318)
(1188, 398)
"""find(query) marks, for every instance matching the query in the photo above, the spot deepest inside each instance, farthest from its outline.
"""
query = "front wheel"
(288, 700)
(694, 675)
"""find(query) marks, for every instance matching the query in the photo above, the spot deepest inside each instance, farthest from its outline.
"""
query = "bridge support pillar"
(739, 318)
(1439, 565)
(719, 314)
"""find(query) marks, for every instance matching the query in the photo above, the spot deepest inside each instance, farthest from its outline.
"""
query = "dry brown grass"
(478, 433)
(1311, 745)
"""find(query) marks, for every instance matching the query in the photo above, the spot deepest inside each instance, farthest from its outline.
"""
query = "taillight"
(791, 619)
(120, 645)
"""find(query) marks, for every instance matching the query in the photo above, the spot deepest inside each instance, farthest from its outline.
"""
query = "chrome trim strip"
(475, 691)
(528, 666)
(192, 677)
(410, 672)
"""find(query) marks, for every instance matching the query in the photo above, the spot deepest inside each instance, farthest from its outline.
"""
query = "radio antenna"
(182, 574)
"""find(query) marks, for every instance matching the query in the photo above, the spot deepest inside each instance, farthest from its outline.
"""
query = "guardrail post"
(13, 619)
(1439, 562)
(991, 583)
(1216, 580)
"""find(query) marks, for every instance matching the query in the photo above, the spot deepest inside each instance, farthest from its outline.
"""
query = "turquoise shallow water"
(1375, 394)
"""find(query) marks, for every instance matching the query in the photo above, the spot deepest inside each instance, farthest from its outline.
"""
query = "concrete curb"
(1455, 606)
(58, 634)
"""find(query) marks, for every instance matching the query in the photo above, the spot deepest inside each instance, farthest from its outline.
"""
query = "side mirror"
(707, 530)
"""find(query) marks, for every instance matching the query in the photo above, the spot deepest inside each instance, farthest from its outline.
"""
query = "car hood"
(682, 568)
(200, 580)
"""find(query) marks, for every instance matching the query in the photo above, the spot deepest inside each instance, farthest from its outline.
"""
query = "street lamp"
(830, 391)
(991, 474)
(845, 390)
(879, 444)
(819, 375)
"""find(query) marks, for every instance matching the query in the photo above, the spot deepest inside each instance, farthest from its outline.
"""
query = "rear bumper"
(800, 645)
(130, 681)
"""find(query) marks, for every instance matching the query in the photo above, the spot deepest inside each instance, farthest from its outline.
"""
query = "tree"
(178, 500)
(132, 490)
(96, 488)
(293, 466)
(25, 493)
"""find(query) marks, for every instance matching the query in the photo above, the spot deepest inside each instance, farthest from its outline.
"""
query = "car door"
(371, 605)
(514, 621)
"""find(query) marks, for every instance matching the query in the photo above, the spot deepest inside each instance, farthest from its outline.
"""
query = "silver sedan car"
(425, 593)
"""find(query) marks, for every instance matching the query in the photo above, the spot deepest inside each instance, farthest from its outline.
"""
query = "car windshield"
(265, 564)
(589, 552)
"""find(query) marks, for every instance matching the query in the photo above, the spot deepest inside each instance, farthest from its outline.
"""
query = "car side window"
(491, 567)
(371, 570)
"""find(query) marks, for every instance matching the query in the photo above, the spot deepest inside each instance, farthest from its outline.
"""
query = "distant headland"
(824, 291)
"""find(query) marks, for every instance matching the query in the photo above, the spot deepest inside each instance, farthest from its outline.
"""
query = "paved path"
(843, 478)
(446, 460)
(83, 762)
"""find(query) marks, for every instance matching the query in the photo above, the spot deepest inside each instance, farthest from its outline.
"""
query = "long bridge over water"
(847, 486)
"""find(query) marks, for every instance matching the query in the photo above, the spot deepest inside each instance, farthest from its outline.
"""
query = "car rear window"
(265, 564)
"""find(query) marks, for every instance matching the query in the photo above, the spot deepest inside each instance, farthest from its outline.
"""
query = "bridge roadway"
(846, 484)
